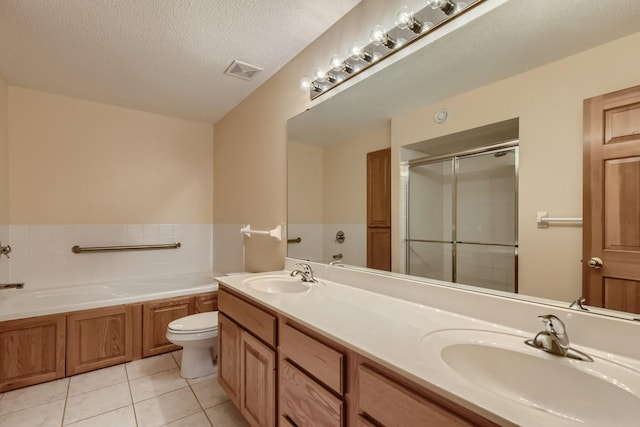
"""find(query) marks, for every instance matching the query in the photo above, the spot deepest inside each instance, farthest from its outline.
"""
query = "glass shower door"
(429, 224)
(486, 226)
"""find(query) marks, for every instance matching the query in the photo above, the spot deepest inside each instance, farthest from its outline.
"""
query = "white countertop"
(390, 331)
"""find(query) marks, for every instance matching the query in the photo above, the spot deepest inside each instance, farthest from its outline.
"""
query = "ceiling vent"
(242, 70)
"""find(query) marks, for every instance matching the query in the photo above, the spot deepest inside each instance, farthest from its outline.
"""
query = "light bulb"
(305, 83)
(356, 53)
(379, 36)
(405, 19)
(337, 64)
(447, 6)
(320, 75)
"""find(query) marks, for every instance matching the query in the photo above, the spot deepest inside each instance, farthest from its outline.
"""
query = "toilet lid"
(200, 322)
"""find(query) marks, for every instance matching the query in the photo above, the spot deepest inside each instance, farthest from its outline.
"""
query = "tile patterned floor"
(142, 393)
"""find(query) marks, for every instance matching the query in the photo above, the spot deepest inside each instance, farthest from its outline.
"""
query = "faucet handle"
(555, 326)
(305, 267)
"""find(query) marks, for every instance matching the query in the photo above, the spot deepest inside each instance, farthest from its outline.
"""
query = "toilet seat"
(195, 323)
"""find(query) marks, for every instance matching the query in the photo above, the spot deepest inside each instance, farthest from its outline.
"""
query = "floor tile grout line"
(96, 415)
(66, 399)
(96, 389)
(199, 403)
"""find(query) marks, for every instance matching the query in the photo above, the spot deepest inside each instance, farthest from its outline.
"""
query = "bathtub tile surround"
(42, 256)
(4, 264)
(319, 242)
(140, 393)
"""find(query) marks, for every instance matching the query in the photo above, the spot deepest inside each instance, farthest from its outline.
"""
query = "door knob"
(595, 262)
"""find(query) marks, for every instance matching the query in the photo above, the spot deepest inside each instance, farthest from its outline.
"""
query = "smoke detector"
(242, 70)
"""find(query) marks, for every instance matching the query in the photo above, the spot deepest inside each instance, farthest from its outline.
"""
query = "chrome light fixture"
(405, 18)
(446, 6)
(410, 26)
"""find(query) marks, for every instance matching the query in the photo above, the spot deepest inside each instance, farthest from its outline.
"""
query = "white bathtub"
(21, 303)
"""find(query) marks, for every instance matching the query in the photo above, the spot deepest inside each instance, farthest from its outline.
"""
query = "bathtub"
(21, 303)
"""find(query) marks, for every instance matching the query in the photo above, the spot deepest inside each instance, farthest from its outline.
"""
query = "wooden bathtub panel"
(31, 351)
(98, 338)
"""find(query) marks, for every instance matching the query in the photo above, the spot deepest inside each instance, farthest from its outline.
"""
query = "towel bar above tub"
(78, 249)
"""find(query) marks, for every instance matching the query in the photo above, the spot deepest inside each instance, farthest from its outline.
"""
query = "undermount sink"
(277, 284)
(601, 392)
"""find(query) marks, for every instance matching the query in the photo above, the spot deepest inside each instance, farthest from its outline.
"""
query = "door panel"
(612, 199)
(622, 202)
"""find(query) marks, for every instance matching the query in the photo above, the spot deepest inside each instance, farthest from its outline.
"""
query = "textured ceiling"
(163, 56)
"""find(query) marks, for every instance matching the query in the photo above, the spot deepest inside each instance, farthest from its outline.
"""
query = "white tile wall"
(42, 256)
(319, 243)
(4, 262)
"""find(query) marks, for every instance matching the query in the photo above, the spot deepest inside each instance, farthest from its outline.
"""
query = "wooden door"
(229, 357)
(31, 351)
(379, 209)
(258, 382)
(612, 200)
(156, 316)
(99, 338)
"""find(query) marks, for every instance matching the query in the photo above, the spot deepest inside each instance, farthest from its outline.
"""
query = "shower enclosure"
(461, 212)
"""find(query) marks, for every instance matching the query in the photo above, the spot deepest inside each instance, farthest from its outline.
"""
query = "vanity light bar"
(409, 27)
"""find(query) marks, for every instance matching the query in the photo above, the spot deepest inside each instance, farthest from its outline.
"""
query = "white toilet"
(197, 335)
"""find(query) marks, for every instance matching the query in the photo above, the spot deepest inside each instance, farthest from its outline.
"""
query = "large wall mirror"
(505, 90)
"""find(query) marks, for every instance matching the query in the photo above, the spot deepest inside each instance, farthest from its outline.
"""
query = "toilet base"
(198, 362)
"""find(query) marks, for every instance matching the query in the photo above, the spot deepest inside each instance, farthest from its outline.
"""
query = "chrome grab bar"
(78, 249)
(12, 286)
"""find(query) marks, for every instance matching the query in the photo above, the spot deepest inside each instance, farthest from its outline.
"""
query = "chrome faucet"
(305, 272)
(554, 339)
(578, 304)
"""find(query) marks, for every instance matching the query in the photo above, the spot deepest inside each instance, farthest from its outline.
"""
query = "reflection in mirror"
(533, 75)
(4, 174)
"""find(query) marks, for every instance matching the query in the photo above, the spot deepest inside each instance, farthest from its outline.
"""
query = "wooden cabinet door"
(379, 209)
(206, 302)
(611, 198)
(156, 315)
(379, 248)
(98, 338)
(31, 351)
(379, 188)
(229, 357)
(258, 381)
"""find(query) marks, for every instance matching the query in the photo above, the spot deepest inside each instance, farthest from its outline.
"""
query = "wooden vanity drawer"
(303, 402)
(319, 360)
(258, 322)
(393, 405)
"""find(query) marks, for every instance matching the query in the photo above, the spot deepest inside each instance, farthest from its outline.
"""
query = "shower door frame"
(454, 157)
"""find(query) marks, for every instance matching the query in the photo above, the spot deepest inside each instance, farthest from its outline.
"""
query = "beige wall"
(345, 177)
(81, 162)
(250, 164)
(4, 152)
(304, 176)
(548, 101)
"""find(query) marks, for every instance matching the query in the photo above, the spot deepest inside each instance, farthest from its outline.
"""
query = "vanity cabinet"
(320, 383)
(98, 338)
(385, 398)
(31, 351)
(247, 357)
(156, 316)
(311, 379)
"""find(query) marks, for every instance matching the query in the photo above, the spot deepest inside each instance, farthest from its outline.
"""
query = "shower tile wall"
(42, 256)
(319, 242)
(4, 262)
